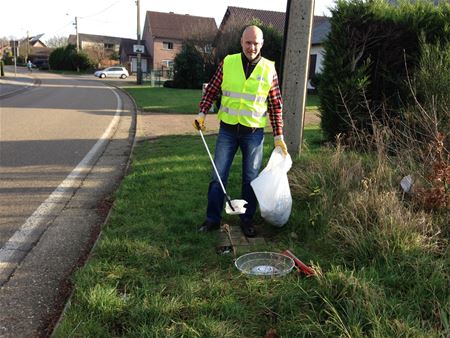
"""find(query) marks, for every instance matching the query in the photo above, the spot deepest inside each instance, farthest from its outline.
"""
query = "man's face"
(251, 42)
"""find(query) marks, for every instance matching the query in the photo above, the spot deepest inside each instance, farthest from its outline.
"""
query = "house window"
(109, 46)
(167, 45)
(312, 65)
(167, 63)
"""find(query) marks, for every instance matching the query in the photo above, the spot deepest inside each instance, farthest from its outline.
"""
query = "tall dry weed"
(395, 241)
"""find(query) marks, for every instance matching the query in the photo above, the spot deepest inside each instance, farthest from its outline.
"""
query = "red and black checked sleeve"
(275, 107)
(212, 90)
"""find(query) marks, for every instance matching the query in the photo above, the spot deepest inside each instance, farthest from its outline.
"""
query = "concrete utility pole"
(78, 39)
(297, 42)
(15, 57)
(138, 61)
(28, 46)
(76, 32)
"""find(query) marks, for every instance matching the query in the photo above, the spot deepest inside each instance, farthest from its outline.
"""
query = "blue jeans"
(227, 144)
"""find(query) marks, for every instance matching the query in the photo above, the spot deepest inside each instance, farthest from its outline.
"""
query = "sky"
(115, 17)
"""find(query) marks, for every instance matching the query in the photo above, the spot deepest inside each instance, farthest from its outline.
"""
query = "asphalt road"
(65, 143)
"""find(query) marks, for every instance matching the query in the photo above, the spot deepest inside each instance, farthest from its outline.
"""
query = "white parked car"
(112, 72)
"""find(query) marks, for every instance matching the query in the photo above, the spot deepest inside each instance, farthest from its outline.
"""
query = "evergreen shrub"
(67, 58)
(188, 68)
(372, 50)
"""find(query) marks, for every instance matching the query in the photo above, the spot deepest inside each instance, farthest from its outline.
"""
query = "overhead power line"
(102, 11)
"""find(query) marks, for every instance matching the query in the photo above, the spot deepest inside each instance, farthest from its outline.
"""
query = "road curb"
(44, 276)
(103, 224)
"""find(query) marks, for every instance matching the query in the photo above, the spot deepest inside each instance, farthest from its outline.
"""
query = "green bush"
(67, 58)
(189, 68)
(20, 60)
(371, 50)
(8, 59)
(431, 82)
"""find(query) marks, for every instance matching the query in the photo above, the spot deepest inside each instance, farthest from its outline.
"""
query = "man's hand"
(199, 122)
(279, 142)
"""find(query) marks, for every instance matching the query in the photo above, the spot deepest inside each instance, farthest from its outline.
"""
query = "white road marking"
(25, 232)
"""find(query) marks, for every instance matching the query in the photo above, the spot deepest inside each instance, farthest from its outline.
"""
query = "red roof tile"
(181, 26)
(276, 19)
(238, 16)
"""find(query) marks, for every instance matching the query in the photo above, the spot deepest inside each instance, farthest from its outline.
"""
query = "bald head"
(251, 41)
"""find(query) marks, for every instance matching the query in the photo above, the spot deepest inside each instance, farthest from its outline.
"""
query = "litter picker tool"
(233, 207)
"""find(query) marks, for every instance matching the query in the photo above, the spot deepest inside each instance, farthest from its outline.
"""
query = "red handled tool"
(299, 264)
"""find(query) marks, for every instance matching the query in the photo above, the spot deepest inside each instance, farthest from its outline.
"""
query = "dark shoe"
(248, 229)
(209, 226)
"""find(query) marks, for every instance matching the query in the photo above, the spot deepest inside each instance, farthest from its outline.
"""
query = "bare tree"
(4, 43)
(96, 54)
(57, 41)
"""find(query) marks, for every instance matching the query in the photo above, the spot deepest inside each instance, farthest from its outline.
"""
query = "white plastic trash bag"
(272, 190)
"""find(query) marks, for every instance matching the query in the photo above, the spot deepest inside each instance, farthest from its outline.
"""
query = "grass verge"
(153, 275)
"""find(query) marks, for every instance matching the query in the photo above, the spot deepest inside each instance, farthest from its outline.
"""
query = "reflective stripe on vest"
(244, 100)
(249, 97)
(243, 112)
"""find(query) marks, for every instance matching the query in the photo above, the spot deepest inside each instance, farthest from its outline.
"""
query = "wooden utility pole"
(297, 42)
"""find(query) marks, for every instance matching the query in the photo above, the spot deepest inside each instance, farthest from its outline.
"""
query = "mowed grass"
(312, 102)
(166, 100)
(153, 275)
(182, 101)
(382, 270)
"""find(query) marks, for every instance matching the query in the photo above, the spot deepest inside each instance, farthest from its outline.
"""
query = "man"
(29, 66)
(249, 87)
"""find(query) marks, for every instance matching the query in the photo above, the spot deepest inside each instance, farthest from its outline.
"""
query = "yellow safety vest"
(244, 100)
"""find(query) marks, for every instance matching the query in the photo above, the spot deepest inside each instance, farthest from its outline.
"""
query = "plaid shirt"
(274, 100)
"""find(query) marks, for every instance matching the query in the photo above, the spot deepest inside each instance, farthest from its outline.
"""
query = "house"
(39, 56)
(102, 50)
(128, 57)
(106, 43)
(35, 41)
(164, 34)
(239, 17)
(30, 48)
(38, 52)
(23, 47)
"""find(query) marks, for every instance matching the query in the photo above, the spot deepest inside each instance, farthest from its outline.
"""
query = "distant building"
(103, 50)
(31, 48)
(164, 34)
(35, 41)
(128, 57)
(39, 53)
(107, 43)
